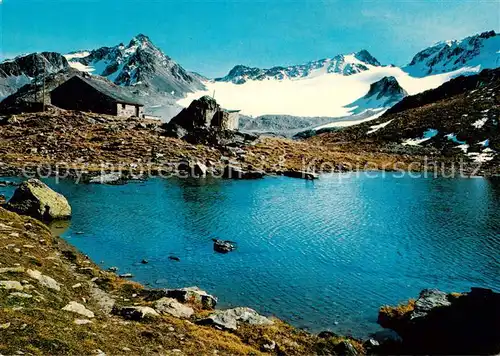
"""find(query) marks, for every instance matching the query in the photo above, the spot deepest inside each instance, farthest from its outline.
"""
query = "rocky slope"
(457, 120)
(140, 63)
(21, 70)
(478, 50)
(29, 97)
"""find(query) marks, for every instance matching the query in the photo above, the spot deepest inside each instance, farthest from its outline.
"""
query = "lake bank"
(345, 245)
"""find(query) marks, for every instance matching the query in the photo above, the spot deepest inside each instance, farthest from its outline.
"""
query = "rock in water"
(230, 319)
(222, 246)
(36, 199)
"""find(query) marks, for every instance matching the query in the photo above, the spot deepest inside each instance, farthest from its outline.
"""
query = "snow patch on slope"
(324, 95)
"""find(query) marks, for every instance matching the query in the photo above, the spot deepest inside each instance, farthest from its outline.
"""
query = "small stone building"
(95, 94)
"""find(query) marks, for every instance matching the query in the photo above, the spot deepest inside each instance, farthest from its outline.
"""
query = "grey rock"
(173, 307)
(36, 199)
(192, 295)
(78, 309)
(223, 246)
(45, 281)
(102, 299)
(428, 300)
(8, 285)
(230, 319)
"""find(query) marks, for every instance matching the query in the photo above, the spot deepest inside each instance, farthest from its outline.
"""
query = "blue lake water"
(321, 255)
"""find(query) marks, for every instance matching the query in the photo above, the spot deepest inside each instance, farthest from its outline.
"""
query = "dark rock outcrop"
(204, 122)
(36, 199)
(440, 323)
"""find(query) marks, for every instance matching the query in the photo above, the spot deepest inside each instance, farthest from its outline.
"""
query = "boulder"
(428, 300)
(135, 312)
(231, 318)
(223, 246)
(78, 308)
(43, 280)
(173, 307)
(8, 285)
(36, 199)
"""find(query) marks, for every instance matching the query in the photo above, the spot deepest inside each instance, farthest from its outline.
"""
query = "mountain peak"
(139, 39)
(383, 94)
(366, 57)
(480, 50)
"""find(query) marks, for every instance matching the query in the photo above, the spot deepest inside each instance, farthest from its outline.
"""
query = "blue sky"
(212, 36)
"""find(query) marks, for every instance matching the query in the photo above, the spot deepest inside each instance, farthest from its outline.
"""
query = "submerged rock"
(36, 199)
(224, 246)
(231, 318)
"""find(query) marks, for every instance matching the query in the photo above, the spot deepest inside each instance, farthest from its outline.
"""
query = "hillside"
(22, 70)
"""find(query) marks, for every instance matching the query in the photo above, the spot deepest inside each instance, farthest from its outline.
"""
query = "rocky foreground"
(78, 141)
(54, 300)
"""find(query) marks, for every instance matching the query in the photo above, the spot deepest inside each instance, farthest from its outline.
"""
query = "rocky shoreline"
(53, 297)
(72, 143)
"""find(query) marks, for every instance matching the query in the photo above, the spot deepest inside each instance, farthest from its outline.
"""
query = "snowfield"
(319, 94)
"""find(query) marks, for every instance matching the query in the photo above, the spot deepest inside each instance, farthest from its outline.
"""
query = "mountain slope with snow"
(479, 51)
(460, 119)
(21, 70)
(341, 64)
(337, 87)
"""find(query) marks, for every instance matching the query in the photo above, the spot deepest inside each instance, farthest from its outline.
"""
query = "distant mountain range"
(341, 64)
(327, 91)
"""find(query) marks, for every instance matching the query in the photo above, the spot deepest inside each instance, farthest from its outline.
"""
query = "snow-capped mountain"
(482, 50)
(332, 87)
(382, 94)
(21, 70)
(140, 63)
(347, 64)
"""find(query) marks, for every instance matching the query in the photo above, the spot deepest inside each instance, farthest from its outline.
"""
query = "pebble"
(82, 321)
(78, 285)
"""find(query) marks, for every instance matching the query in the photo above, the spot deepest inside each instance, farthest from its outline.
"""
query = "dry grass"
(398, 311)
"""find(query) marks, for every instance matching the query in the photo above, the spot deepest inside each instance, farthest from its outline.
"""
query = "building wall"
(233, 121)
(127, 110)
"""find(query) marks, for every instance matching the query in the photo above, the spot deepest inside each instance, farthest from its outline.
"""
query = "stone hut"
(98, 95)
